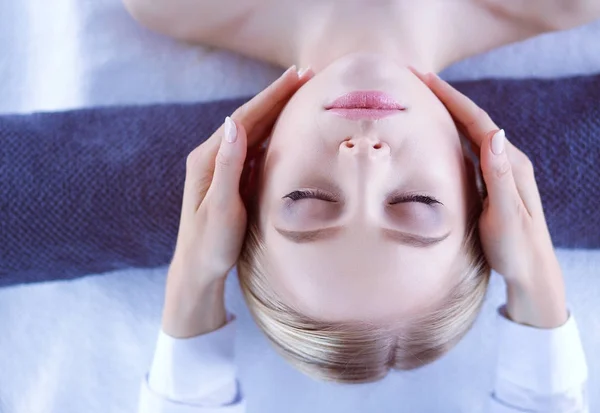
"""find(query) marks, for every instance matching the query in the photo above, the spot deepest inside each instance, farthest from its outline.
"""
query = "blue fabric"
(557, 124)
(94, 190)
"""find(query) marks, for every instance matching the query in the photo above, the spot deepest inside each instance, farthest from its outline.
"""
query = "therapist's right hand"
(512, 227)
(213, 218)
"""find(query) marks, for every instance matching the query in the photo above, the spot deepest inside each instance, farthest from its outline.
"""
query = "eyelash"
(422, 199)
(316, 194)
(309, 194)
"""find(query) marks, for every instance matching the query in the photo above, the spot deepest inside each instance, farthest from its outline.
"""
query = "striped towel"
(96, 190)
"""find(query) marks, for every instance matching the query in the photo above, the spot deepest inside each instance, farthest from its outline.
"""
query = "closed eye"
(423, 199)
(310, 194)
(324, 196)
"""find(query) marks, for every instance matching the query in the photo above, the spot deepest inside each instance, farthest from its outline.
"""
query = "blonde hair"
(361, 352)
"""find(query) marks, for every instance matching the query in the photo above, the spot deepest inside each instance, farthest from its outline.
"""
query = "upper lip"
(374, 100)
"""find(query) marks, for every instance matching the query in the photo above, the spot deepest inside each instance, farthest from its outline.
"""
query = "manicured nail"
(498, 142)
(230, 130)
(292, 68)
(303, 71)
(428, 77)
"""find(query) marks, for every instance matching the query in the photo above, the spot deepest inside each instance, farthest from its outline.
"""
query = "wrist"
(194, 304)
(540, 302)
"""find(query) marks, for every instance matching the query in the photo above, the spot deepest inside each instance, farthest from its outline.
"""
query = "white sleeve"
(539, 370)
(193, 375)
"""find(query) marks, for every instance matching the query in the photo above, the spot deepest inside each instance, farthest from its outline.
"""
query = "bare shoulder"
(475, 26)
(549, 15)
(181, 18)
(244, 26)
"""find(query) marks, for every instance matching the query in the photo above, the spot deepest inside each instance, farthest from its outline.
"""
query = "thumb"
(229, 164)
(496, 169)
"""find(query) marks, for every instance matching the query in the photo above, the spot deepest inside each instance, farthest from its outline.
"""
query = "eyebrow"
(402, 238)
(303, 237)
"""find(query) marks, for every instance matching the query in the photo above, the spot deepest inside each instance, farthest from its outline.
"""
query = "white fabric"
(193, 375)
(196, 370)
(152, 402)
(537, 371)
(540, 370)
(71, 53)
(82, 346)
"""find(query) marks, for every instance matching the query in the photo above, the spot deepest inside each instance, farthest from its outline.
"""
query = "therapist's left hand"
(213, 217)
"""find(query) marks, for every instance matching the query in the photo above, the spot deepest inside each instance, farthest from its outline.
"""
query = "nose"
(365, 146)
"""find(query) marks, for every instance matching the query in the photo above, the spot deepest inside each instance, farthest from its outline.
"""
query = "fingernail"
(498, 142)
(303, 71)
(428, 77)
(230, 130)
(433, 75)
(292, 68)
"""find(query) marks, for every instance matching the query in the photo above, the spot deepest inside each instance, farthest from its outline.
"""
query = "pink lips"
(365, 105)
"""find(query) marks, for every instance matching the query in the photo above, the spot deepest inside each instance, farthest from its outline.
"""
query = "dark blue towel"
(94, 190)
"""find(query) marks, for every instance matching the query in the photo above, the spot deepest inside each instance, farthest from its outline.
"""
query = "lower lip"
(365, 105)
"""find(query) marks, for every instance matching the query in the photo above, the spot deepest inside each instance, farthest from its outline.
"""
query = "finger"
(305, 74)
(524, 176)
(198, 175)
(224, 189)
(261, 111)
(418, 74)
(476, 124)
(265, 107)
(475, 121)
(498, 176)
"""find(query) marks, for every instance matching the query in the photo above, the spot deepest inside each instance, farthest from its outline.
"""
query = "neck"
(335, 33)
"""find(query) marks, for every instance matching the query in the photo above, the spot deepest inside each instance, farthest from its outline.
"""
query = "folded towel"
(94, 190)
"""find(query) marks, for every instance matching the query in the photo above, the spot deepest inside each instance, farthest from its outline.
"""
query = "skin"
(513, 229)
(358, 168)
(365, 46)
(213, 218)
(287, 32)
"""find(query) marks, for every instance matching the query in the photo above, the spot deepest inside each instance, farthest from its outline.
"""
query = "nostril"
(349, 144)
(377, 146)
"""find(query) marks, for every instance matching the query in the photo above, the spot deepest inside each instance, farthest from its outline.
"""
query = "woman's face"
(362, 218)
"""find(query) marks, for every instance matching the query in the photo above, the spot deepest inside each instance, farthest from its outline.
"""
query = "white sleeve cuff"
(541, 369)
(198, 370)
(152, 402)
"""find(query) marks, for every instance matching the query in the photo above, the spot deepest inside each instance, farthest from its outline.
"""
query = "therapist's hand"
(213, 217)
(512, 227)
